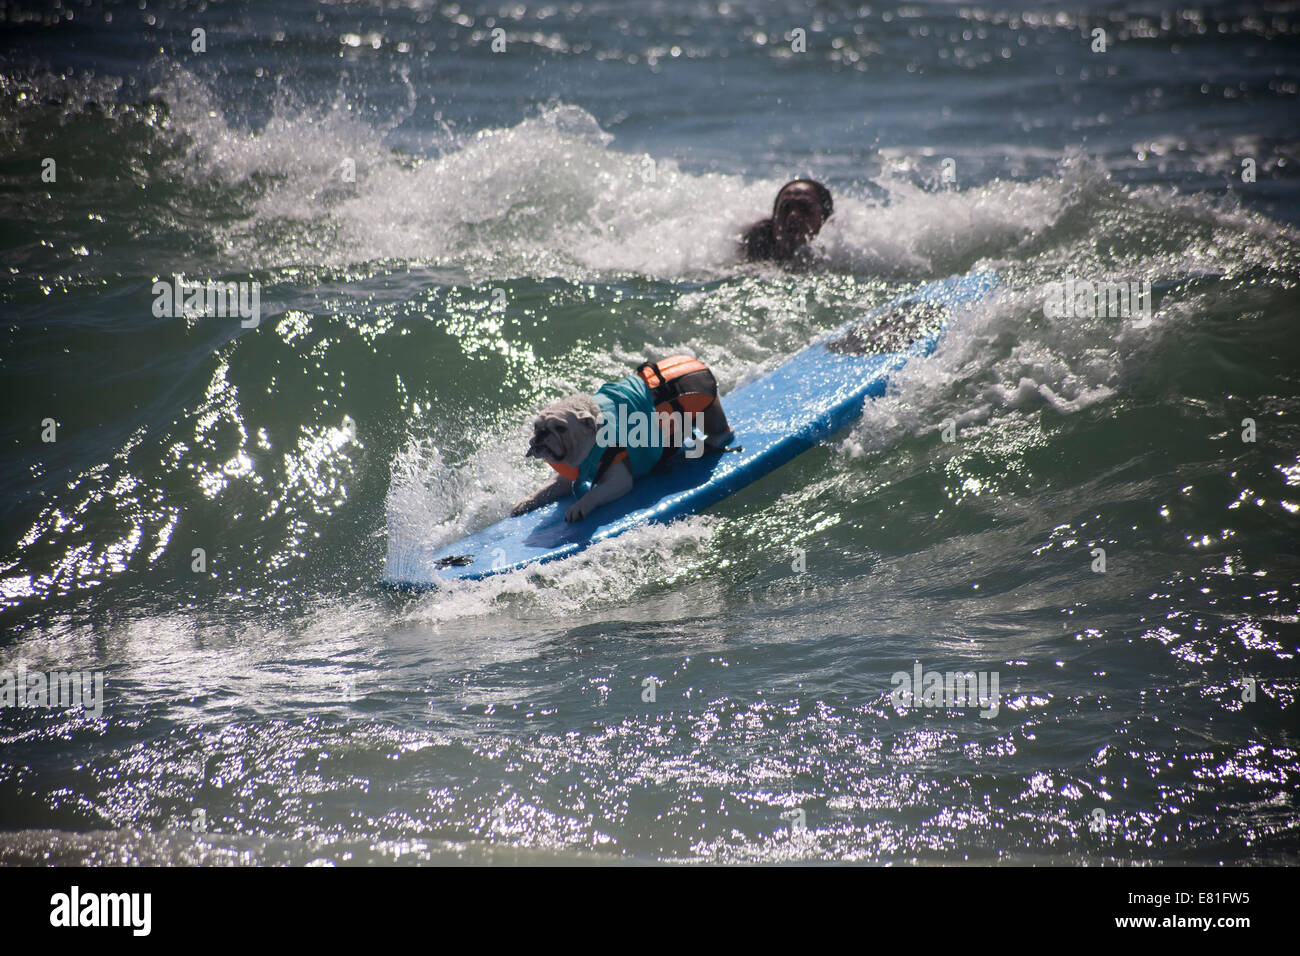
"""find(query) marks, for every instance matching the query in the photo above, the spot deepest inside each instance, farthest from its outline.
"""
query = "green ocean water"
(504, 244)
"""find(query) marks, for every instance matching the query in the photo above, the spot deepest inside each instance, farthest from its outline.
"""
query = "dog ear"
(584, 416)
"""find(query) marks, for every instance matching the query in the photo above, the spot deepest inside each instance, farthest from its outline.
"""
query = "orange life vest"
(688, 397)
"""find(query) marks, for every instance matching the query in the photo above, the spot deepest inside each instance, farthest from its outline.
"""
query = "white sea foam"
(1002, 358)
(552, 195)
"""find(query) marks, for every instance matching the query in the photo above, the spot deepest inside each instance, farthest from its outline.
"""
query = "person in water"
(801, 209)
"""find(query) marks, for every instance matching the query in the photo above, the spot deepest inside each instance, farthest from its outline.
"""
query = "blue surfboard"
(804, 401)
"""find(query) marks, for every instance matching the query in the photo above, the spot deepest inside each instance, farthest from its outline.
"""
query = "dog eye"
(561, 428)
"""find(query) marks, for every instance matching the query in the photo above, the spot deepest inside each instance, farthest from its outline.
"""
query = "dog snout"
(534, 443)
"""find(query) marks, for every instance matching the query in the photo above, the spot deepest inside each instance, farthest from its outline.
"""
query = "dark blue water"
(597, 171)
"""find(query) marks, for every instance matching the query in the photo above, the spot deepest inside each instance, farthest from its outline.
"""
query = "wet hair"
(823, 195)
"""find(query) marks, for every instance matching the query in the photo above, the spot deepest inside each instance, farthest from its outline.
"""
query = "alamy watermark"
(1088, 299)
(191, 299)
(638, 430)
(953, 689)
(76, 909)
(57, 689)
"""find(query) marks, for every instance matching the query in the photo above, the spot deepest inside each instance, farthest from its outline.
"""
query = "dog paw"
(575, 513)
(718, 442)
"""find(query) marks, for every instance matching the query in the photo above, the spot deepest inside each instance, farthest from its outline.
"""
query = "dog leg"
(617, 482)
(556, 490)
(716, 427)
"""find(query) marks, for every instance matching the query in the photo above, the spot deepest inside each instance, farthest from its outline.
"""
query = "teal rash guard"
(633, 395)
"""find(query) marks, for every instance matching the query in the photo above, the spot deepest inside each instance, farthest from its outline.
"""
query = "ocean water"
(531, 221)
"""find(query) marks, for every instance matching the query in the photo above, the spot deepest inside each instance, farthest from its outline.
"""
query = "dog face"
(564, 431)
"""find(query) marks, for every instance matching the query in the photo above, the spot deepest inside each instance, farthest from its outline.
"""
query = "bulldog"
(624, 431)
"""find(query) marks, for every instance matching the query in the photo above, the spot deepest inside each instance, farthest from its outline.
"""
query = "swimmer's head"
(801, 209)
